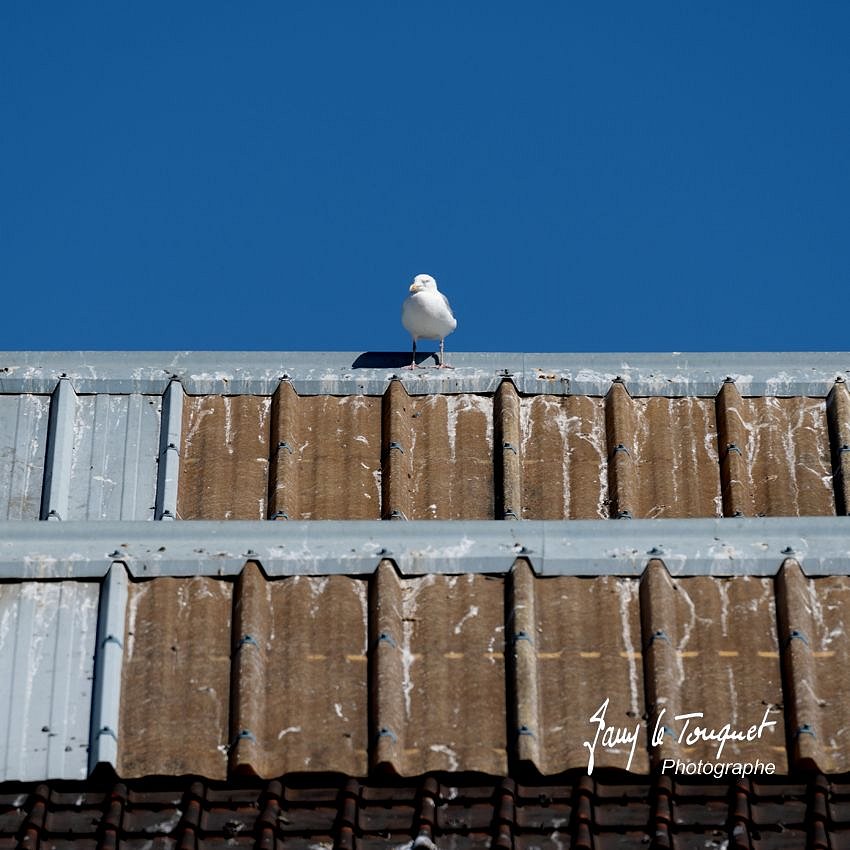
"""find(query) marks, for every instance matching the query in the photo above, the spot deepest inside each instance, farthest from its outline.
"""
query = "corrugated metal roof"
(333, 642)
(440, 456)
(356, 674)
(578, 812)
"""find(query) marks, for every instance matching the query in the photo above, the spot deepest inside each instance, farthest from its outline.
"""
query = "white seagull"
(426, 314)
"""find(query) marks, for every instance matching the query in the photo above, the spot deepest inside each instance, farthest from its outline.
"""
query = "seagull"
(426, 314)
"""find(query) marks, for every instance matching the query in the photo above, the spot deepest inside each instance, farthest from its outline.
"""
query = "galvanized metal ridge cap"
(368, 373)
(719, 547)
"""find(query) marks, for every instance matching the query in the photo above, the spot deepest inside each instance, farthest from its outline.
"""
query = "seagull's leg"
(413, 364)
(442, 364)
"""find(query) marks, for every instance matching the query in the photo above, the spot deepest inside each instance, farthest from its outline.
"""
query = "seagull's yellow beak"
(415, 287)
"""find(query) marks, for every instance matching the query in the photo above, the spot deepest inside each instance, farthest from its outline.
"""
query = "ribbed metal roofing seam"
(352, 373)
(219, 677)
(579, 812)
(397, 456)
(716, 547)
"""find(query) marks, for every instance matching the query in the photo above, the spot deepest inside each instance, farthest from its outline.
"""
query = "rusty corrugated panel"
(564, 458)
(838, 417)
(450, 441)
(813, 627)
(711, 646)
(576, 642)
(438, 673)
(47, 645)
(775, 455)
(225, 458)
(23, 437)
(663, 456)
(176, 678)
(327, 456)
(300, 674)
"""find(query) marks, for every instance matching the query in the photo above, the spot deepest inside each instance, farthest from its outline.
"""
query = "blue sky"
(578, 177)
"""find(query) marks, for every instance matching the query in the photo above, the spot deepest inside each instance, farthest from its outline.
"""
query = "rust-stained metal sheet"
(300, 695)
(326, 457)
(438, 691)
(813, 631)
(47, 646)
(23, 439)
(225, 458)
(711, 648)
(450, 443)
(176, 678)
(564, 458)
(576, 644)
(776, 455)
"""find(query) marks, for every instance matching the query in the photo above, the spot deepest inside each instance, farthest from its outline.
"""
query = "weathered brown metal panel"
(813, 630)
(620, 427)
(576, 663)
(564, 458)
(396, 453)
(176, 678)
(732, 443)
(785, 467)
(675, 446)
(224, 458)
(711, 646)
(299, 685)
(789, 447)
(838, 417)
(451, 448)
(508, 445)
(327, 456)
(440, 684)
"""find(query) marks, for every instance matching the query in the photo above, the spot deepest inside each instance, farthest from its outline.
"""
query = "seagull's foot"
(444, 366)
(411, 366)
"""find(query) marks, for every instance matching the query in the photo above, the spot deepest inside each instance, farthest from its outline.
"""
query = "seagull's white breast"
(426, 315)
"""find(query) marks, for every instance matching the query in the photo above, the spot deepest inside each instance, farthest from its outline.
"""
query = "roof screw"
(383, 552)
(284, 445)
(732, 447)
(508, 512)
(397, 514)
(510, 447)
(844, 448)
(796, 634)
(738, 513)
(115, 554)
(656, 550)
(394, 445)
(729, 380)
(624, 514)
(788, 551)
(620, 448)
(249, 554)
(525, 730)
(385, 732)
(806, 729)
(280, 515)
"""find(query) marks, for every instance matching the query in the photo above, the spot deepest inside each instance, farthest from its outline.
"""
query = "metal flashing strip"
(717, 547)
(109, 659)
(170, 436)
(368, 373)
(56, 498)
